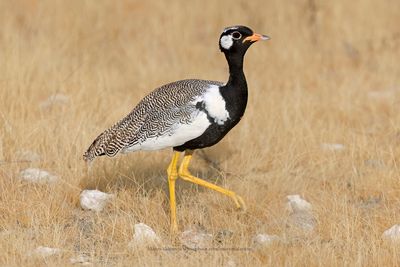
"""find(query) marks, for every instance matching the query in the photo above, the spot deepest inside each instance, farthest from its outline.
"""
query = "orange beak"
(256, 37)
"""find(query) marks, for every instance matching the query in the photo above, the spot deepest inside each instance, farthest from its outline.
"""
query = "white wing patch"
(179, 134)
(215, 105)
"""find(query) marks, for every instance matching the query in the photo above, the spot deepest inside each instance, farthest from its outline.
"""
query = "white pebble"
(392, 234)
(55, 99)
(195, 239)
(39, 176)
(332, 147)
(297, 204)
(45, 251)
(264, 239)
(144, 235)
(94, 200)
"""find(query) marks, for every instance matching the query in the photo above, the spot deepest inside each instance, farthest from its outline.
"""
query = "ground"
(322, 122)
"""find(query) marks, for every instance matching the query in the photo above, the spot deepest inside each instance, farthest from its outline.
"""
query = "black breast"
(235, 103)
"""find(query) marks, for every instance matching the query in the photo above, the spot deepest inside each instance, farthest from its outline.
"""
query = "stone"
(94, 200)
(144, 235)
(392, 234)
(296, 203)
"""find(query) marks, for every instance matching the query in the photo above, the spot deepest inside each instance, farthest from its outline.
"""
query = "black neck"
(235, 90)
(236, 75)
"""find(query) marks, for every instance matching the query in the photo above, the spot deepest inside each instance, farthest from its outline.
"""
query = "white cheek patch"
(226, 41)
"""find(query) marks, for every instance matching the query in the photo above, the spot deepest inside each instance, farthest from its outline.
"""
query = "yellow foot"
(239, 202)
(186, 175)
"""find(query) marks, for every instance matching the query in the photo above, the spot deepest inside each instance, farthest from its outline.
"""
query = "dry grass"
(330, 74)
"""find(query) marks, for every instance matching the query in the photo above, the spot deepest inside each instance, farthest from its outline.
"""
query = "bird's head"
(237, 39)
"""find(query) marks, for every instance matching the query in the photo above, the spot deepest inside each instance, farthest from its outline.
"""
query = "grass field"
(329, 75)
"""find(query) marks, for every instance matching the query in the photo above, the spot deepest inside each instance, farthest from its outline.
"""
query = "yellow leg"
(172, 176)
(185, 175)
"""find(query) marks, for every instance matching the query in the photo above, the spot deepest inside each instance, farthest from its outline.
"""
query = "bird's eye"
(236, 35)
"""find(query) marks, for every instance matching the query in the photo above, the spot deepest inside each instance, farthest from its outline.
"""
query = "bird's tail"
(105, 144)
(95, 149)
(89, 155)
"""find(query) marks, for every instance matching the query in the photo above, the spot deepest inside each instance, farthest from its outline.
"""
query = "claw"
(242, 204)
(239, 202)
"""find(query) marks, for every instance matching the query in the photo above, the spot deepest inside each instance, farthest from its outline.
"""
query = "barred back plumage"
(154, 116)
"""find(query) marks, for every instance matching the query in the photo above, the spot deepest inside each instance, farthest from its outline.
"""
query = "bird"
(185, 115)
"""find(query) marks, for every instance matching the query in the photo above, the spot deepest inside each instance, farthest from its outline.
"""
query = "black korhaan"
(185, 115)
